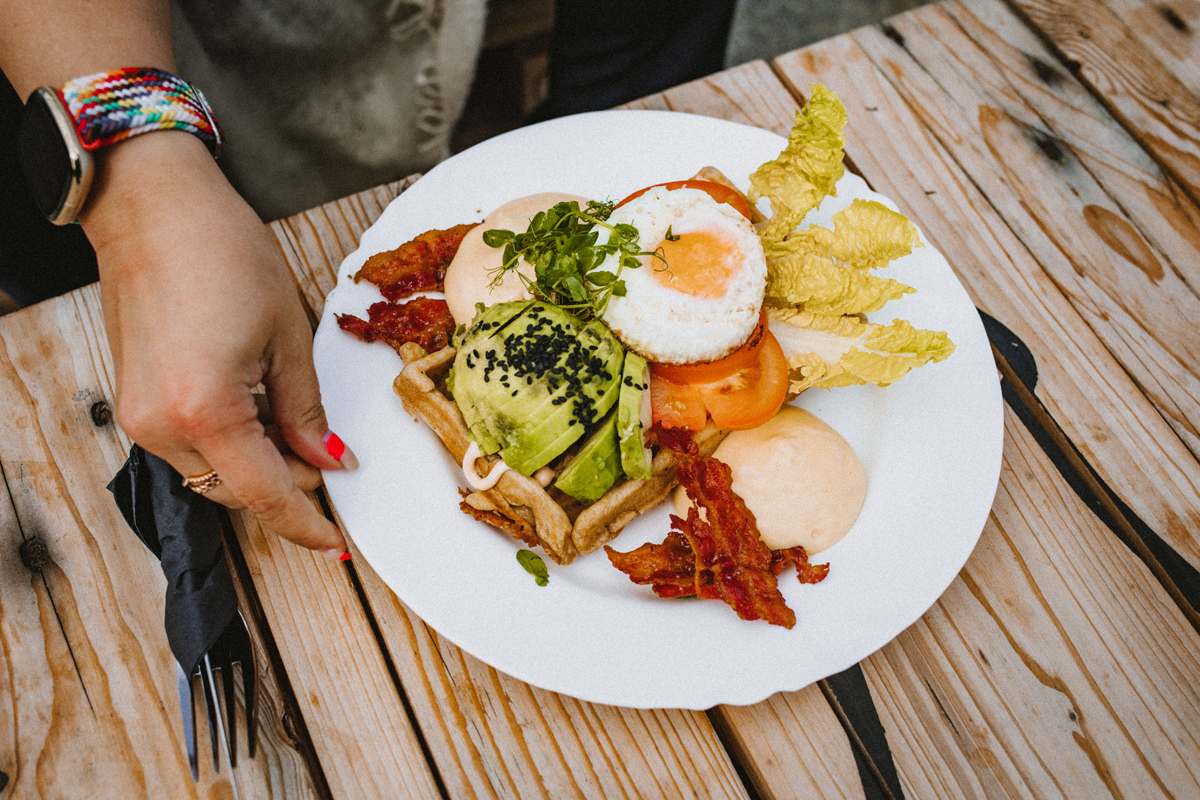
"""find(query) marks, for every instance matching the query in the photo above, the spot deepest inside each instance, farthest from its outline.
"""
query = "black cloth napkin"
(183, 530)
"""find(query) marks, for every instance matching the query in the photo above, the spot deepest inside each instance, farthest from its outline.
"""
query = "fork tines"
(232, 647)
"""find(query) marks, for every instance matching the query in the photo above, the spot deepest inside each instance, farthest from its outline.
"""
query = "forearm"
(49, 42)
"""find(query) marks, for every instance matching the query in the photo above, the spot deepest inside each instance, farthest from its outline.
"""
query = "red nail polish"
(345, 556)
(334, 445)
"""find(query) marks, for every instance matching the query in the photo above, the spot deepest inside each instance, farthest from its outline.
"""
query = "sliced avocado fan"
(530, 383)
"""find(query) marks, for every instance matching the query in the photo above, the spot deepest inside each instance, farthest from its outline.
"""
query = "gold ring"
(203, 483)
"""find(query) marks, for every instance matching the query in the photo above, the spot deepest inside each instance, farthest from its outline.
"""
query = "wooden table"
(1051, 151)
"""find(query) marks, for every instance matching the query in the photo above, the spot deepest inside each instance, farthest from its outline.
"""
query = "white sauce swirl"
(472, 455)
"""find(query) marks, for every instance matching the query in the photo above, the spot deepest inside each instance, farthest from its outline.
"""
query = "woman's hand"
(200, 309)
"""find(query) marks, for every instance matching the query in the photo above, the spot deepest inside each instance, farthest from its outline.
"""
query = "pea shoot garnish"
(533, 564)
(561, 244)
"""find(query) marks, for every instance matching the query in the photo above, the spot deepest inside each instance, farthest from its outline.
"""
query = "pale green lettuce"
(809, 167)
(825, 350)
(819, 281)
(866, 235)
(826, 271)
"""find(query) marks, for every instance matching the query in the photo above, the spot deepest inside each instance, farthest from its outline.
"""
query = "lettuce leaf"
(825, 350)
(866, 235)
(820, 284)
(823, 287)
(809, 167)
(826, 271)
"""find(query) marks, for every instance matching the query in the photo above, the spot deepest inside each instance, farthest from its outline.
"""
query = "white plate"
(930, 444)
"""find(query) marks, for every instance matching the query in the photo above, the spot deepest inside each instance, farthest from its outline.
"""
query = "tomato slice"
(751, 396)
(717, 191)
(673, 405)
(740, 391)
(710, 371)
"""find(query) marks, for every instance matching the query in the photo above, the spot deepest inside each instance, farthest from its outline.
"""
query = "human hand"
(200, 309)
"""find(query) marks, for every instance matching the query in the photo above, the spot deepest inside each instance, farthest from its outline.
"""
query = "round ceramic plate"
(930, 445)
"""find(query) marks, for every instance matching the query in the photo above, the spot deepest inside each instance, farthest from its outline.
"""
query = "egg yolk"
(699, 263)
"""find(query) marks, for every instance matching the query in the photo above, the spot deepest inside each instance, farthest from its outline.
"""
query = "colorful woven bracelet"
(110, 106)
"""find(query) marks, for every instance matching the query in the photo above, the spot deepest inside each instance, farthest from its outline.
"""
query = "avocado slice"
(596, 465)
(634, 417)
(589, 389)
(531, 383)
(486, 323)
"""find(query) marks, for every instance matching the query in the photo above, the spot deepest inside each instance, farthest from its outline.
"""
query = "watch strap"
(110, 106)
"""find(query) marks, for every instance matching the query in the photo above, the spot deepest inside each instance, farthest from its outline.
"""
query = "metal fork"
(232, 647)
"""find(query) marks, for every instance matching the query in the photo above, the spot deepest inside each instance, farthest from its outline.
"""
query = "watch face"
(57, 168)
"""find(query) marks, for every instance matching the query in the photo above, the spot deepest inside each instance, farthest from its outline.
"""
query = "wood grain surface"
(1052, 666)
(1138, 57)
(90, 706)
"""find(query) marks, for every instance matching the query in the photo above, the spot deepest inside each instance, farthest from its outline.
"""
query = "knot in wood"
(101, 413)
(1044, 71)
(289, 730)
(1173, 19)
(891, 33)
(34, 554)
(1050, 146)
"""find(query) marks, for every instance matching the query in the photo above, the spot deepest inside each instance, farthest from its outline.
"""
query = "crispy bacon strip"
(806, 572)
(423, 320)
(668, 568)
(678, 439)
(522, 533)
(415, 266)
(717, 553)
(732, 562)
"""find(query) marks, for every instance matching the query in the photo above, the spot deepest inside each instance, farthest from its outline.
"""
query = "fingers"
(306, 476)
(224, 434)
(295, 403)
(263, 481)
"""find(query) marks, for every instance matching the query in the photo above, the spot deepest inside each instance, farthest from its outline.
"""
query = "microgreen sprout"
(561, 244)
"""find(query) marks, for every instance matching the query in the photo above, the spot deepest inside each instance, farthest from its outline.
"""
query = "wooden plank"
(1072, 113)
(1117, 49)
(904, 137)
(1166, 29)
(749, 94)
(1053, 665)
(1127, 250)
(315, 243)
(351, 706)
(792, 746)
(494, 736)
(87, 674)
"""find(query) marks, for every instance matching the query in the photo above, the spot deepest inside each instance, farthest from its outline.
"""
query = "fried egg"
(701, 300)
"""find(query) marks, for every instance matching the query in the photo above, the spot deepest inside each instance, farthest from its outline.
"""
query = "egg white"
(670, 326)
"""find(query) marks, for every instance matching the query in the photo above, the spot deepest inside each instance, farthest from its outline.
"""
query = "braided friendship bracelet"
(111, 106)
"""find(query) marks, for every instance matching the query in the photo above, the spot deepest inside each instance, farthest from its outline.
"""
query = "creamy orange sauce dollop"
(801, 479)
(468, 278)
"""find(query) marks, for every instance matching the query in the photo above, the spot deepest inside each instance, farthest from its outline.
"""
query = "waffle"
(539, 516)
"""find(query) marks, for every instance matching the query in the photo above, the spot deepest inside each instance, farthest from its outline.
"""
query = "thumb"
(295, 398)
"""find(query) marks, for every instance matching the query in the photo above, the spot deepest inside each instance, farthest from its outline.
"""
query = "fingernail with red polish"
(337, 448)
(336, 554)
